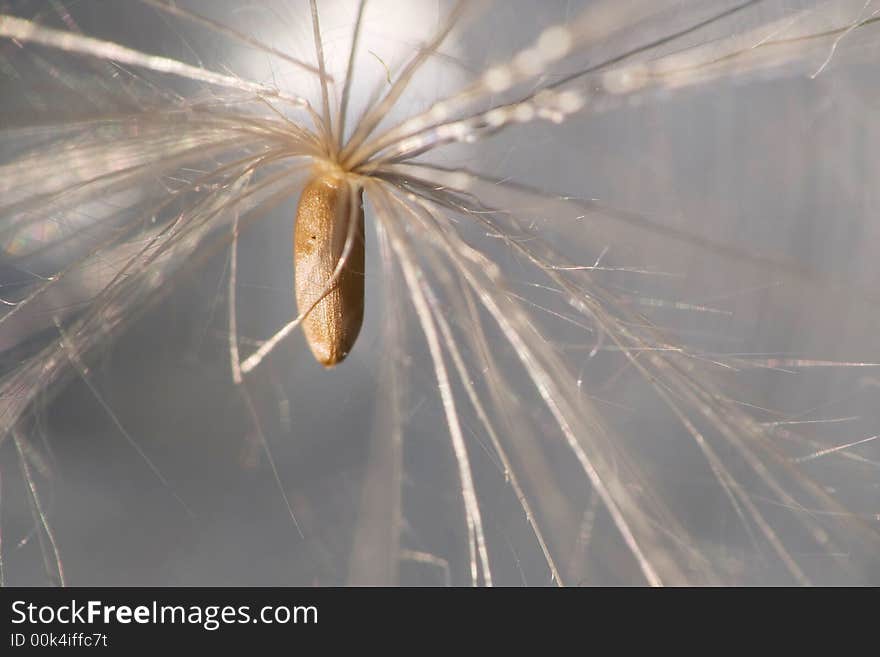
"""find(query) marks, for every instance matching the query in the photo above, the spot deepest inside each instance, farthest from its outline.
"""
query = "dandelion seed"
(600, 423)
(327, 206)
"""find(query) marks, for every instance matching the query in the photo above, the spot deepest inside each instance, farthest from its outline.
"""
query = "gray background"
(783, 167)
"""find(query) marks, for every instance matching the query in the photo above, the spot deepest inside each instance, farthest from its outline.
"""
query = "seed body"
(322, 225)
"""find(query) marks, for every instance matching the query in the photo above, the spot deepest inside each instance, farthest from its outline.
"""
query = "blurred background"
(775, 165)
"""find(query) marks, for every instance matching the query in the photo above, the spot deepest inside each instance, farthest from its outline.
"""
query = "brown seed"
(322, 225)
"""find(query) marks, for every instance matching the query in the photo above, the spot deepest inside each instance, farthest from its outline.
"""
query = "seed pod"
(322, 225)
